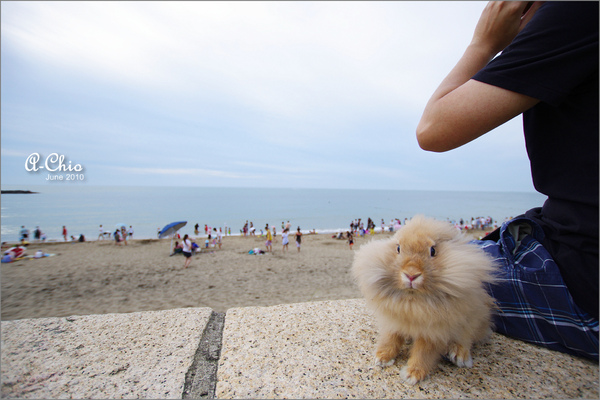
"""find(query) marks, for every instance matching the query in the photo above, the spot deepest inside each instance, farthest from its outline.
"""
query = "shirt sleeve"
(551, 56)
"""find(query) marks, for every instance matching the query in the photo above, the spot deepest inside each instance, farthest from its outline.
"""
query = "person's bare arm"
(462, 109)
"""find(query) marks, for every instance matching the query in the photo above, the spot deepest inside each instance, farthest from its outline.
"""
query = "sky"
(240, 94)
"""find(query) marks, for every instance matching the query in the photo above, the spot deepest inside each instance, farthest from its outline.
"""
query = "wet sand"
(99, 277)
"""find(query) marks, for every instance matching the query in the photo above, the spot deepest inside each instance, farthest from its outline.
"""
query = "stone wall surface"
(135, 355)
(305, 350)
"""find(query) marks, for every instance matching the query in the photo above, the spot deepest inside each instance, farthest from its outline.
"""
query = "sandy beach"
(99, 277)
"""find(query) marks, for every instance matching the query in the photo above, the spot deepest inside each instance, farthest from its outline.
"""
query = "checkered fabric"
(534, 303)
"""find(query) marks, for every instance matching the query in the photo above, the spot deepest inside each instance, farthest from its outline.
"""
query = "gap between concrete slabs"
(201, 378)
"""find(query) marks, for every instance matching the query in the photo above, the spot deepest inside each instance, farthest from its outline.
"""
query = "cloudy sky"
(241, 94)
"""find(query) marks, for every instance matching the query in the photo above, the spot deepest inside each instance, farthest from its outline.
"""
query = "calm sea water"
(83, 208)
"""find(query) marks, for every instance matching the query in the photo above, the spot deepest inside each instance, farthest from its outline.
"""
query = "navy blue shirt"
(555, 60)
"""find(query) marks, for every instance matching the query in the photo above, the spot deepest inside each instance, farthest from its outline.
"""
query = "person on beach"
(269, 241)
(42, 235)
(178, 248)
(298, 239)
(64, 232)
(117, 235)
(130, 232)
(350, 239)
(124, 235)
(219, 238)
(284, 239)
(186, 246)
(547, 70)
(24, 234)
(101, 233)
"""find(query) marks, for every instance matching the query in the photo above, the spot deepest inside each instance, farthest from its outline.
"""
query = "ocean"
(82, 208)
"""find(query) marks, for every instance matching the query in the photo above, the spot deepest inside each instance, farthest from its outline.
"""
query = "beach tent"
(171, 230)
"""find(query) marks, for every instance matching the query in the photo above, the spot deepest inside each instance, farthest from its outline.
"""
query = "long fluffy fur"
(447, 304)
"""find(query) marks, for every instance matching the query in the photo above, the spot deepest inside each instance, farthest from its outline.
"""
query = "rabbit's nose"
(412, 277)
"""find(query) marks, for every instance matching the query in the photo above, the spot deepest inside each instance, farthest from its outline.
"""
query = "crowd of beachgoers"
(356, 227)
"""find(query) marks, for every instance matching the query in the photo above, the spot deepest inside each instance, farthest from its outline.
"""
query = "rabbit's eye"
(432, 251)
(398, 249)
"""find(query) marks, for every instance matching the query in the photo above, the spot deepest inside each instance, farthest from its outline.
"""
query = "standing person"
(124, 235)
(64, 232)
(23, 233)
(548, 71)
(284, 239)
(101, 233)
(214, 237)
(40, 235)
(219, 238)
(196, 231)
(130, 232)
(186, 245)
(269, 241)
(350, 239)
(298, 239)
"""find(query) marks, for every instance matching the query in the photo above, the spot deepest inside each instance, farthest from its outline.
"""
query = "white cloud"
(291, 58)
(325, 86)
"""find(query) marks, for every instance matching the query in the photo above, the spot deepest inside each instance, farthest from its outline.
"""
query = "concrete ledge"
(137, 355)
(306, 350)
(325, 350)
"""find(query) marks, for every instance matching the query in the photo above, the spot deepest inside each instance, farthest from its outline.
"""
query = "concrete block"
(135, 355)
(325, 350)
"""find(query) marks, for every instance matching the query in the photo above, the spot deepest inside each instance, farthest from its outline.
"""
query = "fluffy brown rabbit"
(426, 286)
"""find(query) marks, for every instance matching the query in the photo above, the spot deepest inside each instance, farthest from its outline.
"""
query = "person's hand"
(500, 22)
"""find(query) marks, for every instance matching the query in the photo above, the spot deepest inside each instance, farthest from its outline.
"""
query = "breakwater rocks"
(18, 192)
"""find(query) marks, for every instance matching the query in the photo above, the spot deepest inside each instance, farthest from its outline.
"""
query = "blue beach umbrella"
(170, 230)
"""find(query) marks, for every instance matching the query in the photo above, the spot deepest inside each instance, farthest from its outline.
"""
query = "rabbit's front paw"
(412, 375)
(459, 355)
(380, 362)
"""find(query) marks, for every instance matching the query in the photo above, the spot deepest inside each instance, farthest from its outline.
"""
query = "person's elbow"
(429, 139)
